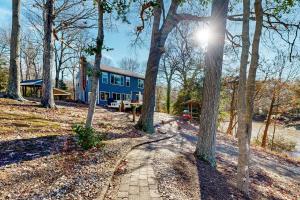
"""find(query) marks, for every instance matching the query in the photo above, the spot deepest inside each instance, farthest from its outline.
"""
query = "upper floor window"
(116, 79)
(127, 81)
(140, 83)
(104, 77)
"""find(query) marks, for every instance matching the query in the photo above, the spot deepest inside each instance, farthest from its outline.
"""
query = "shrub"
(87, 137)
(279, 144)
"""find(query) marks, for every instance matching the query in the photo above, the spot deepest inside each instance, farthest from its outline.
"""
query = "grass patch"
(10, 122)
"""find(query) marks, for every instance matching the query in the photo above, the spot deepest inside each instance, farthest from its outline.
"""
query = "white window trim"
(126, 81)
(107, 78)
(122, 77)
(112, 95)
(104, 92)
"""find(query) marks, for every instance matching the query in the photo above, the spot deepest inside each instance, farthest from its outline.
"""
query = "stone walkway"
(139, 182)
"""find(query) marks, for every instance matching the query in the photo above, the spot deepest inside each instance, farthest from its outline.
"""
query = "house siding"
(133, 89)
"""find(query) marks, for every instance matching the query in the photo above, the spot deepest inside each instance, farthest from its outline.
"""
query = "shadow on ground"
(15, 151)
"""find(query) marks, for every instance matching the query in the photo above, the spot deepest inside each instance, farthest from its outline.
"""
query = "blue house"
(114, 84)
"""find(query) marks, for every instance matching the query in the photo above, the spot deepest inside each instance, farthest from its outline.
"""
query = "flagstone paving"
(139, 182)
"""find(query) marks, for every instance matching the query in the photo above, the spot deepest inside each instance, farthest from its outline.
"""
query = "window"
(140, 83)
(105, 77)
(128, 97)
(116, 79)
(116, 96)
(104, 96)
(127, 79)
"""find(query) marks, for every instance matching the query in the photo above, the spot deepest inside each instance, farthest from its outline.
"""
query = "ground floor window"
(127, 97)
(104, 96)
(116, 96)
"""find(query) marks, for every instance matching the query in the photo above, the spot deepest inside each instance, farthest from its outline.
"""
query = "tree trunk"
(73, 83)
(47, 88)
(246, 98)
(59, 62)
(243, 158)
(268, 122)
(250, 94)
(14, 78)
(145, 122)
(232, 112)
(212, 82)
(96, 70)
(168, 96)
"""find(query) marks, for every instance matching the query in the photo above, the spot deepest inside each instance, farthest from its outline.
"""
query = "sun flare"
(203, 36)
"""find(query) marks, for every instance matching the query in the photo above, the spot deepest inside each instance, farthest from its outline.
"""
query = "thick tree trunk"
(243, 159)
(96, 70)
(14, 78)
(268, 122)
(212, 82)
(168, 96)
(145, 122)
(47, 88)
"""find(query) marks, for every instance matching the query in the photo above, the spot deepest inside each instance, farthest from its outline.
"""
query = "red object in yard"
(187, 117)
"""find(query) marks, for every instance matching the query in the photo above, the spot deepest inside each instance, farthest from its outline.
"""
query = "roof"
(37, 82)
(120, 71)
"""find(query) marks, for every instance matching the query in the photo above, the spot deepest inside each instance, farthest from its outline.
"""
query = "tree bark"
(14, 78)
(243, 159)
(96, 70)
(205, 149)
(232, 111)
(268, 122)
(145, 122)
(250, 93)
(245, 121)
(168, 96)
(47, 87)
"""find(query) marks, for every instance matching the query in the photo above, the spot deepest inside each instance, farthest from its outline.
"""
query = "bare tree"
(205, 149)
(64, 51)
(167, 70)
(69, 15)
(47, 88)
(163, 23)
(14, 79)
(284, 73)
(4, 45)
(130, 64)
(231, 83)
(243, 159)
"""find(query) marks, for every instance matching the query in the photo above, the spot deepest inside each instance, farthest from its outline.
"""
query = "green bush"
(87, 137)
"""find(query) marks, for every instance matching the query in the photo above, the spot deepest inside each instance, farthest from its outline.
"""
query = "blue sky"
(119, 38)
